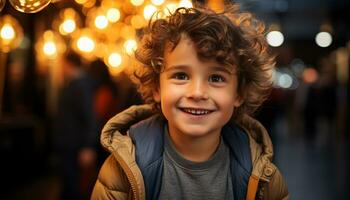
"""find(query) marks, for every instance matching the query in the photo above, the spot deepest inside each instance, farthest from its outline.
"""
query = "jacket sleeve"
(111, 183)
(276, 188)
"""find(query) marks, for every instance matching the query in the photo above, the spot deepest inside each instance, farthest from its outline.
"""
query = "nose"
(197, 90)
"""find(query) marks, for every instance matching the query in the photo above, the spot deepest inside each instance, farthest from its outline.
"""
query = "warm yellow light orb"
(85, 44)
(113, 15)
(169, 8)
(101, 22)
(157, 2)
(49, 48)
(186, 4)
(86, 3)
(81, 1)
(148, 11)
(68, 26)
(136, 2)
(7, 32)
(137, 21)
(11, 33)
(130, 46)
(115, 59)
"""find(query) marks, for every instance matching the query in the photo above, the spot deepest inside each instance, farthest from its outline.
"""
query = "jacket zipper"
(128, 173)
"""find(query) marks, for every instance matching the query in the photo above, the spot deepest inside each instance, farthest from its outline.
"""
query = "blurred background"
(47, 95)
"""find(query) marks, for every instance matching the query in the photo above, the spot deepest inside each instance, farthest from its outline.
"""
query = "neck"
(197, 149)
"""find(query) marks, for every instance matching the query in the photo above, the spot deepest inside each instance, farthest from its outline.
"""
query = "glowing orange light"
(49, 48)
(86, 44)
(115, 59)
(68, 26)
(113, 14)
(101, 22)
(157, 2)
(148, 11)
(137, 2)
(185, 3)
(310, 75)
(130, 46)
(7, 32)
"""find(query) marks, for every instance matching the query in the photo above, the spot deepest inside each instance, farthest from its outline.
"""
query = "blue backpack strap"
(148, 138)
(240, 158)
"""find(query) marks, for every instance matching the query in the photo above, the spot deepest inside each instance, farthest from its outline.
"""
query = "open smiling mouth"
(195, 111)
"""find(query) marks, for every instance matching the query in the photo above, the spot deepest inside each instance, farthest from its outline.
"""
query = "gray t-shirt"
(184, 179)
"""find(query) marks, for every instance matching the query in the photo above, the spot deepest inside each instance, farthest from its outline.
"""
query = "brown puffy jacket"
(120, 177)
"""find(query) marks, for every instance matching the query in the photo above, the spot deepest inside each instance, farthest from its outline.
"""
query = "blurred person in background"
(321, 103)
(105, 92)
(75, 129)
(105, 100)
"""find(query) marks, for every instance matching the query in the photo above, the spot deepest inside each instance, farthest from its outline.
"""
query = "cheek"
(169, 93)
(227, 101)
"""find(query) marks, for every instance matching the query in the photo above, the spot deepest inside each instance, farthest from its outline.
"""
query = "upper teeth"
(196, 111)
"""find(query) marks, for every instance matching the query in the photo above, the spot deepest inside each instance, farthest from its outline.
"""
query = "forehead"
(185, 54)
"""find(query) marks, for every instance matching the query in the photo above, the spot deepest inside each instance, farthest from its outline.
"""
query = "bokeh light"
(68, 26)
(101, 22)
(113, 14)
(7, 32)
(114, 59)
(67, 22)
(323, 39)
(137, 2)
(81, 1)
(169, 8)
(127, 32)
(137, 21)
(285, 81)
(49, 46)
(157, 2)
(148, 11)
(275, 38)
(310, 75)
(130, 46)
(85, 44)
(185, 3)
(86, 3)
(11, 33)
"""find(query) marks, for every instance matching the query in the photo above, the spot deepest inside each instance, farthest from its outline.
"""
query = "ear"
(238, 101)
(156, 95)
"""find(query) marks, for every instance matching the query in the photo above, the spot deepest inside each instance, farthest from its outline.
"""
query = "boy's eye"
(180, 76)
(216, 78)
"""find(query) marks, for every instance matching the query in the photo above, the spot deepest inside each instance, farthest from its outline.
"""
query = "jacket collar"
(115, 140)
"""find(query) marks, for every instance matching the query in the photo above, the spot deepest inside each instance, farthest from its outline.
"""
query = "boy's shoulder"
(151, 125)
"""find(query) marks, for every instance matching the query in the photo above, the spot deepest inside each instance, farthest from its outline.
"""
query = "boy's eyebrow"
(215, 68)
(175, 67)
(224, 68)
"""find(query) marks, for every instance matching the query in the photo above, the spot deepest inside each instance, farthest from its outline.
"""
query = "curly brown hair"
(231, 38)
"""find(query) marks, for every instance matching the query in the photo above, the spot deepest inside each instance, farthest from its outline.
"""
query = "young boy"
(205, 72)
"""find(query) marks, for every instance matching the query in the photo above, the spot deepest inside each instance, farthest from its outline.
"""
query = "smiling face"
(197, 97)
